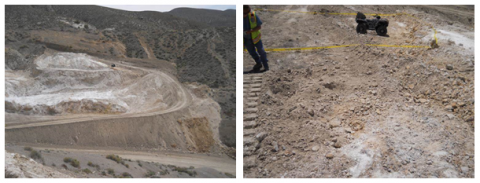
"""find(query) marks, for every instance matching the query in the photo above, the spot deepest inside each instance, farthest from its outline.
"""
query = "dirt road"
(219, 163)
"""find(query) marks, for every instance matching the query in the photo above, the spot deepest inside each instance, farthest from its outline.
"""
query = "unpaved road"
(221, 164)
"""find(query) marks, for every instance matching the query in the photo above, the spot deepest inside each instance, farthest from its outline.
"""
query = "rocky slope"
(214, 18)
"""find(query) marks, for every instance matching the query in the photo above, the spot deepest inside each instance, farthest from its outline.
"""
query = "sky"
(163, 8)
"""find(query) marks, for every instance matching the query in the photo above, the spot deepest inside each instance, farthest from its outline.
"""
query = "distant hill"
(214, 18)
(101, 17)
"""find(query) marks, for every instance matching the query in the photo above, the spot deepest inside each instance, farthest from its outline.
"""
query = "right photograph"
(353, 91)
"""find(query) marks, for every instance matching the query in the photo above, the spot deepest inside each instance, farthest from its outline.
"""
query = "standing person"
(252, 38)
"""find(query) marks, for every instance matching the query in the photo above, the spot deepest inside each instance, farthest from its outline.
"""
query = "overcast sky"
(163, 8)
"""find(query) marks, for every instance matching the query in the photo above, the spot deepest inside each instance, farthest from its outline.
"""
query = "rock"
(352, 108)
(449, 67)
(464, 169)
(337, 145)
(335, 123)
(249, 162)
(311, 112)
(448, 108)
(378, 111)
(411, 86)
(315, 148)
(260, 136)
(450, 116)
(429, 162)
(422, 100)
(329, 156)
(275, 146)
(348, 130)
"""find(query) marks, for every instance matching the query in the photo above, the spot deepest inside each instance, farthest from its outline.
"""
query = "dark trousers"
(259, 55)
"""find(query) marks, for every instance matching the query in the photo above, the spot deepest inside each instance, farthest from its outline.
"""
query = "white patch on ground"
(54, 99)
(78, 61)
(362, 157)
(351, 7)
(24, 167)
(291, 20)
(80, 25)
(440, 153)
(303, 9)
(456, 37)
(401, 24)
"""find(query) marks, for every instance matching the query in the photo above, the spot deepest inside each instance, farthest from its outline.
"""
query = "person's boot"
(265, 66)
(257, 67)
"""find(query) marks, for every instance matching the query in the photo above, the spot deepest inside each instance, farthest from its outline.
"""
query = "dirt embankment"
(364, 111)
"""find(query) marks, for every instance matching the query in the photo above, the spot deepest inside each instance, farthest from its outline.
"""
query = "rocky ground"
(364, 111)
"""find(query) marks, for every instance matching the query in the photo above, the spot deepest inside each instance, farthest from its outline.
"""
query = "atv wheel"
(362, 28)
(382, 30)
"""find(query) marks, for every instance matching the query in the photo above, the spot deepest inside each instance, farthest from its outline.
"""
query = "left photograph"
(120, 91)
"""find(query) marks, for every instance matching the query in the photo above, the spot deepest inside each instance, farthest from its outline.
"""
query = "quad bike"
(378, 24)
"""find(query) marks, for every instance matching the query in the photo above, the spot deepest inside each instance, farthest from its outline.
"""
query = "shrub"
(103, 173)
(87, 171)
(90, 164)
(164, 172)
(126, 165)
(76, 21)
(229, 175)
(126, 175)
(53, 164)
(111, 171)
(115, 158)
(185, 170)
(35, 155)
(75, 163)
(65, 166)
(67, 160)
(27, 148)
(150, 173)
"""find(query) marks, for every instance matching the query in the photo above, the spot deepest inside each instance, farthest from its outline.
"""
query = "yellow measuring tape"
(352, 45)
(307, 48)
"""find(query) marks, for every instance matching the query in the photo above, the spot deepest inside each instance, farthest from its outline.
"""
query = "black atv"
(378, 24)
